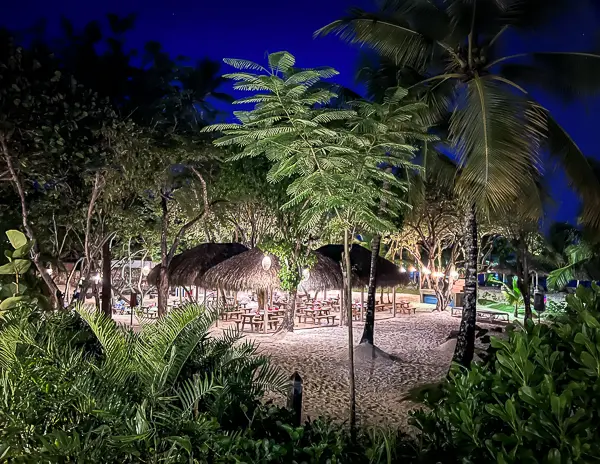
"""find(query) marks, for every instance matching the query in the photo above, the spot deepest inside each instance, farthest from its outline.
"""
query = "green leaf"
(554, 456)
(21, 266)
(589, 361)
(16, 238)
(7, 269)
(11, 302)
(23, 250)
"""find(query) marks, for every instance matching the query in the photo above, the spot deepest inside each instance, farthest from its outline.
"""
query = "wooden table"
(248, 318)
(230, 314)
(312, 313)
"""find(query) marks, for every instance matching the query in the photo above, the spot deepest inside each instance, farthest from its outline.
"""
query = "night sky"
(243, 29)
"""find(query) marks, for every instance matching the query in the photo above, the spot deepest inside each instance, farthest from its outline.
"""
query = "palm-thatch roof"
(246, 272)
(388, 274)
(188, 267)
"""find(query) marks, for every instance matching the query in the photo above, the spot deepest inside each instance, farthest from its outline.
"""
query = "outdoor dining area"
(244, 286)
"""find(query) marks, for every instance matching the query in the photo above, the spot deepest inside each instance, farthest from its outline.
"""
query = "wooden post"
(204, 301)
(218, 312)
(325, 294)
(342, 307)
(180, 295)
(394, 302)
(295, 398)
(362, 304)
(265, 314)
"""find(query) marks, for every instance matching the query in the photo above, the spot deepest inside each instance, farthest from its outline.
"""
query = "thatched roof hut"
(188, 267)
(388, 274)
(251, 271)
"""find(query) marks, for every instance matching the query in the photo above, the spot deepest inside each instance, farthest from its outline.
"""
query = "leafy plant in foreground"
(536, 401)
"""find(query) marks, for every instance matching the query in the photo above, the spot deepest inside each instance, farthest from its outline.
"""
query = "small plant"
(16, 291)
(512, 294)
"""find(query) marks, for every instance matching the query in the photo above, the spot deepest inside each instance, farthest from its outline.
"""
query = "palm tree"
(512, 293)
(497, 130)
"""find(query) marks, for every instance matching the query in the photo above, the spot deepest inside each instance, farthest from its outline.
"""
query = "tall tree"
(57, 138)
(332, 175)
(497, 129)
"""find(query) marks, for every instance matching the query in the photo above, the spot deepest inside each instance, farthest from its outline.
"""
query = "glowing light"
(438, 274)
(412, 269)
(266, 263)
(425, 271)
(305, 274)
(97, 278)
(402, 269)
(146, 270)
(49, 271)
(454, 274)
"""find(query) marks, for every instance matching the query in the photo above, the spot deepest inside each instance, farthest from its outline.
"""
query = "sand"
(420, 354)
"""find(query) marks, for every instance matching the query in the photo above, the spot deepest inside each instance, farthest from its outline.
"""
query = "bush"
(537, 400)
(75, 387)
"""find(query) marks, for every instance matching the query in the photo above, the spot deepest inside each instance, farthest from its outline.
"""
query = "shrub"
(537, 400)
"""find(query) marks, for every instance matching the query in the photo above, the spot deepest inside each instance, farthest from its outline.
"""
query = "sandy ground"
(321, 358)
(420, 354)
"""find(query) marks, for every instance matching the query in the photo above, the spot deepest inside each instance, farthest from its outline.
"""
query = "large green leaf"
(23, 251)
(16, 238)
(393, 37)
(7, 269)
(11, 302)
(21, 266)
(497, 142)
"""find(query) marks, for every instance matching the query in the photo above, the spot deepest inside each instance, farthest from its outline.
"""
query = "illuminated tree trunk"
(348, 301)
(465, 343)
(369, 330)
(106, 283)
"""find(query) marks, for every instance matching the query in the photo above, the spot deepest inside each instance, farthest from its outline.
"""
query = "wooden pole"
(204, 301)
(218, 312)
(362, 304)
(342, 306)
(394, 302)
(265, 315)
(325, 294)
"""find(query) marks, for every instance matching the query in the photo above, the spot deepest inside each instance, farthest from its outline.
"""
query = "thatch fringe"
(246, 272)
(388, 274)
(188, 267)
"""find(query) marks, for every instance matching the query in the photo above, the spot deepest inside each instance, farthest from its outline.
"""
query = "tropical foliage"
(533, 402)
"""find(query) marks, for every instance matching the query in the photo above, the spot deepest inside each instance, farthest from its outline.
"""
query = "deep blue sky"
(243, 29)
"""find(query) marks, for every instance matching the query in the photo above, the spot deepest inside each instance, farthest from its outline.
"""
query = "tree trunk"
(162, 288)
(290, 314)
(55, 295)
(465, 343)
(106, 279)
(369, 330)
(348, 301)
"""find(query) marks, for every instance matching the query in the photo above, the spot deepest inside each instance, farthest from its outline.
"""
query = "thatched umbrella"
(388, 274)
(188, 267)
(255, 270)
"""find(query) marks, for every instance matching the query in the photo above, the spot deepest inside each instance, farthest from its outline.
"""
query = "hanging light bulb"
(266, 262)
(97, 278)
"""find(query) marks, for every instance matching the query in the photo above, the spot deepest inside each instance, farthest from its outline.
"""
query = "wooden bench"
(237, 323)
(259, 324)
(487, 314)
(327, 317)
(493, 316)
